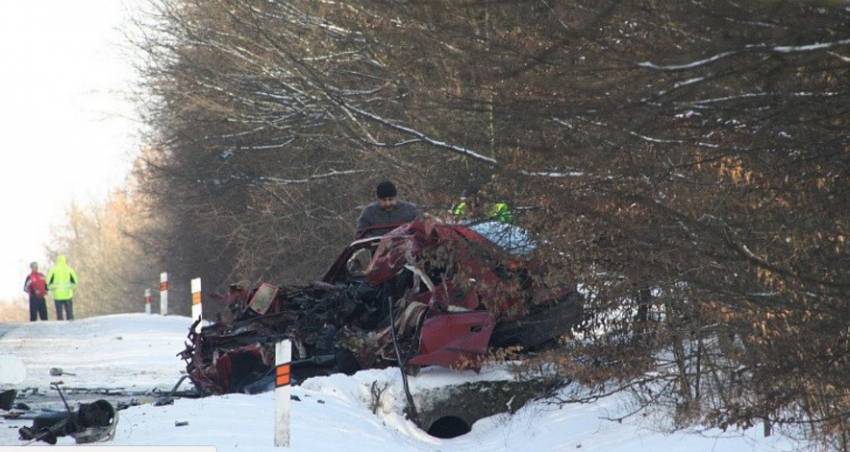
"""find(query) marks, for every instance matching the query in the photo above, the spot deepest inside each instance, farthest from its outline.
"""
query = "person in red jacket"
(36, 286)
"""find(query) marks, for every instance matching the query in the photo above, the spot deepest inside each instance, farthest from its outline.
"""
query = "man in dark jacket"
(387, 210)
(36, 286)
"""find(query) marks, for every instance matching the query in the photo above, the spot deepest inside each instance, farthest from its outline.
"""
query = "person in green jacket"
(501, 212)
(461, 209)
(61, 282)
(498, 211)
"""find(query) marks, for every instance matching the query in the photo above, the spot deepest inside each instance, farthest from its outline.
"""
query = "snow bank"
(332, 413)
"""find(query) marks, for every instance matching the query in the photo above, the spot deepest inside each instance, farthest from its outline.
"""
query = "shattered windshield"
(512, 239)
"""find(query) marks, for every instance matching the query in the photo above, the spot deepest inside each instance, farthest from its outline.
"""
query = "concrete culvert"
(449, 427)
(450, 411)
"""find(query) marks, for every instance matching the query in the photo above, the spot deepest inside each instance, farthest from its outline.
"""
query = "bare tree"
(686, 162)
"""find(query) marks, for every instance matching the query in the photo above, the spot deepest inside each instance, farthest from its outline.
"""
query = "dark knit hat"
(386, 189)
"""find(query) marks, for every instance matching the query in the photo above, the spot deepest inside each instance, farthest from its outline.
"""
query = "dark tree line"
(685, 162)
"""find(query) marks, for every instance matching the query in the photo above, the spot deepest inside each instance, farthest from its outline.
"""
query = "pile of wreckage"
(423, 294)
(88, 423)
(82, 414)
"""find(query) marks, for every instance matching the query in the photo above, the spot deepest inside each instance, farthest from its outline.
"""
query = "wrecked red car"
(451, 294)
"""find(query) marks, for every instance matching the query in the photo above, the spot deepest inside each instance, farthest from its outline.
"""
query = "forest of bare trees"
(686, 163)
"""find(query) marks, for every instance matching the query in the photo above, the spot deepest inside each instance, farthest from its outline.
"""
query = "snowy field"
(137, 352)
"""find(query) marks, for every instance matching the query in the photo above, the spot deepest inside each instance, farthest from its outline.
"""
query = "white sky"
(65, 122)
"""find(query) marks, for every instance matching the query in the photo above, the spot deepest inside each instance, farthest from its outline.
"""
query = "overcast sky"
(66, 127)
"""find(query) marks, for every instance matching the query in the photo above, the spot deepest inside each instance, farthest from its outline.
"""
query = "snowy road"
(121, 351)
(332, 413)
(5, 328)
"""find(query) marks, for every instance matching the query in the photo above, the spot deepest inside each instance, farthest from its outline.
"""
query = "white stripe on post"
(163, 293)
(282, 358)
(148, 301)
(196, 302)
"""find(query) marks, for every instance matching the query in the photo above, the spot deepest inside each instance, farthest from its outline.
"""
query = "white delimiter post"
(163, 293)
(196, 302)
(148, 301)
(282, 358)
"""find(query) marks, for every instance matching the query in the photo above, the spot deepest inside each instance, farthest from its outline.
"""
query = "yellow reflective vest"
(459, 209)
(61, 280)
(501, 212)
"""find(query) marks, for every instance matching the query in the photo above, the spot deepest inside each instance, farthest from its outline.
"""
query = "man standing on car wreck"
(387, 210)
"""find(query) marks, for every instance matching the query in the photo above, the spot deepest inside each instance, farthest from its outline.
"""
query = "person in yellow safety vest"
(61, 282)
(460, 209)
(501, 212)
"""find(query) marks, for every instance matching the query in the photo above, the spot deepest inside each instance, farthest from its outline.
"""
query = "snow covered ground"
(333, 412)
(130, 351)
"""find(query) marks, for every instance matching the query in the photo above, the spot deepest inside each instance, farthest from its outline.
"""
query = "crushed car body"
(452, 294)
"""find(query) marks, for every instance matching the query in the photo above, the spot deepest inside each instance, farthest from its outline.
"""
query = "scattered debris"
(169, 398)
(91, 422)
(124, 405)
(58, 372)
(7, 399)
(22, 406)
(28, 392)
(163, 401)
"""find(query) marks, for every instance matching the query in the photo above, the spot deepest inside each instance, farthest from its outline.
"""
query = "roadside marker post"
(197, 311)
(148, 301)
(282, 359)
(163, 293)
